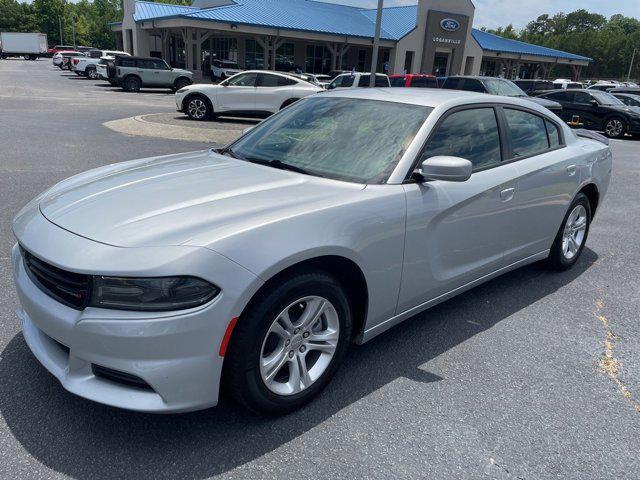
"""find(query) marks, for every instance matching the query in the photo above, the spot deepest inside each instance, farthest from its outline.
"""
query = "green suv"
(134, 73)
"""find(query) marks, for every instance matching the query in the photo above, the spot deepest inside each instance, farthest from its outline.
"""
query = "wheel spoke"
(312, 312)
(326, 347)
(285, 320)
(271, 365)
(295, 380)
(305, 379)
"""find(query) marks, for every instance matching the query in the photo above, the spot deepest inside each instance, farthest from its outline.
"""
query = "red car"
(419, 80)
(59, 48)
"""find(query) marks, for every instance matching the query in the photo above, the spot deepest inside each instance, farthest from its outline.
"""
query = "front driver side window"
(471, 134)
(243, 80)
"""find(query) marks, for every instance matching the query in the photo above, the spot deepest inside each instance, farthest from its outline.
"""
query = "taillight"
(76, 61)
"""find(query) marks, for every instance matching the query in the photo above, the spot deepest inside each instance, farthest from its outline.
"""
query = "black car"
(496, 86)
(628, 99)
(534, 87)
(597, 110)
(631, 90)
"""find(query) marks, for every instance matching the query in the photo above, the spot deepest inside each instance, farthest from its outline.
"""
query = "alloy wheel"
(197, 109)
(299, 345)
(575, 230)
(614, 128)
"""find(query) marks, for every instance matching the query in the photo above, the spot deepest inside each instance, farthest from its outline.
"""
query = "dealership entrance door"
(441, 64)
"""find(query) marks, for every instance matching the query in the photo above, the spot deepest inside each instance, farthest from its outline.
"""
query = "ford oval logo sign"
(450, 25)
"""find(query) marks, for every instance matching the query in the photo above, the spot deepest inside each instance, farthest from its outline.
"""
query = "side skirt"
(393, 321)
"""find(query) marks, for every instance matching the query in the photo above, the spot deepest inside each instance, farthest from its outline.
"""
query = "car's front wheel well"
(201, 96)
(345, 271)
(591, 191)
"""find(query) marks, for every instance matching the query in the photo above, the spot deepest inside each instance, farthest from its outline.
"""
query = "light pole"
(376, 45)
(60, 26)
(633, 57)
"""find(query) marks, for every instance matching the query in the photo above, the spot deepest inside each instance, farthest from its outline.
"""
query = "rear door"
(237, 94)
(455, 231)
(548, 177)
(566, 100)
(588, 109)
(272, 91)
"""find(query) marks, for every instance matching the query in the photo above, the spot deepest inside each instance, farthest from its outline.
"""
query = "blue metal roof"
(495, 43)
(321, 17)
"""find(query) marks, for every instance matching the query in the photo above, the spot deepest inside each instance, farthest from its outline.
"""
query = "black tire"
(91, 73)
(291, 101)
(181, 83)
(198, 108)
(615, 127)
(132, 84)
(557, 259)
(242, 378)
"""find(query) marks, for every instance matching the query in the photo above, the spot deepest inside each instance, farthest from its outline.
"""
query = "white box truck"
(27, 45)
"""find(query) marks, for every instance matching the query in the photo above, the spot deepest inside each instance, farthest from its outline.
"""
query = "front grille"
(71, 289)
(119, 377)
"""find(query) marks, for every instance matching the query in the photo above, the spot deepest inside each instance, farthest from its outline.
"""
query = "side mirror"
(247, 130)
(448, 169)
(593, 102)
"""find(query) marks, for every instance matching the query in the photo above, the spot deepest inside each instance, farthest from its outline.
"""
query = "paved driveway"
(502, 382)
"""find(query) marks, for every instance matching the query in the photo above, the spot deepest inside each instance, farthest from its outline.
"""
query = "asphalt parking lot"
(533, 375)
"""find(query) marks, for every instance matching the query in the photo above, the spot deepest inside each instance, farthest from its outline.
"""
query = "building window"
(285, 57)
(253, 55)
(362, 60)
(224, 49)
(318, 59)
(408, 61)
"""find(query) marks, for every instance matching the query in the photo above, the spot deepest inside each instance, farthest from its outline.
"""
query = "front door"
(455, 230)
(440, 63)
(237, 94)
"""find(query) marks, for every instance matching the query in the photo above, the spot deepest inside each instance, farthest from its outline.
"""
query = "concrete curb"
(140, 126)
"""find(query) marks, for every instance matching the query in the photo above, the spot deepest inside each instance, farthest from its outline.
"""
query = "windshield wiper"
(281, 165)
(227, 151)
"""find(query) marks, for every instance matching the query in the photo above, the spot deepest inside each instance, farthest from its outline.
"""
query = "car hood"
(183, 199)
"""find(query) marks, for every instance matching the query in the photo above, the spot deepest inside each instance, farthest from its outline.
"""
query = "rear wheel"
(572, 236)
(91, 73)
(289, 343)
(614, 128)
(132, 84)
(181, 83)
(198, 108)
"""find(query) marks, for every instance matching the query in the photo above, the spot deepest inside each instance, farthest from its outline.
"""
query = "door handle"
(571, 170)
(507, 194)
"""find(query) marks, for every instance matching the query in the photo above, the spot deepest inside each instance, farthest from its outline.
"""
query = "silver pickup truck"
(134, 73)
(87, 66)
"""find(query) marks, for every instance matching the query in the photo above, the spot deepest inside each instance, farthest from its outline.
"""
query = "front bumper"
(175, 353)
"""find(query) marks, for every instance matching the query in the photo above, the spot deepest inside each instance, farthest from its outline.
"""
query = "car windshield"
(605, 98)
(503, 87)
(356, 140)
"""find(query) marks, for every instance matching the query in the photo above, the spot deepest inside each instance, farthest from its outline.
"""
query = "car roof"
(424, 97)
(404, 75)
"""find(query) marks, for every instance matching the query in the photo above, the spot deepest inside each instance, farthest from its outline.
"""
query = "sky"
(497, 13)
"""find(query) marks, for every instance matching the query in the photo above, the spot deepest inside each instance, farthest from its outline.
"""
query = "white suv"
(223, 69)
(357, 79)
(250, 93)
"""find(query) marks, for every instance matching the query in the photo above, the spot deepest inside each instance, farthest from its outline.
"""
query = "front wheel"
(572, 236)
(614, 128)
(198, 108)
(289, 343)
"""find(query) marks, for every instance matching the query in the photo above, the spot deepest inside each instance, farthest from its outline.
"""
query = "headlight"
(151, 294)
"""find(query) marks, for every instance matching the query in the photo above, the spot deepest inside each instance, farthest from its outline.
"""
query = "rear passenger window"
(471, 134)
(528, 133)
(126, 62)
(423, 82)
(554, 134)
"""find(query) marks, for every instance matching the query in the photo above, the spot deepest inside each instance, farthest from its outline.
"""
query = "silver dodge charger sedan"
(158, 284)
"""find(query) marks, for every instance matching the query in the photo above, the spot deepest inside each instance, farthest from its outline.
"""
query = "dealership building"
(433, 36)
